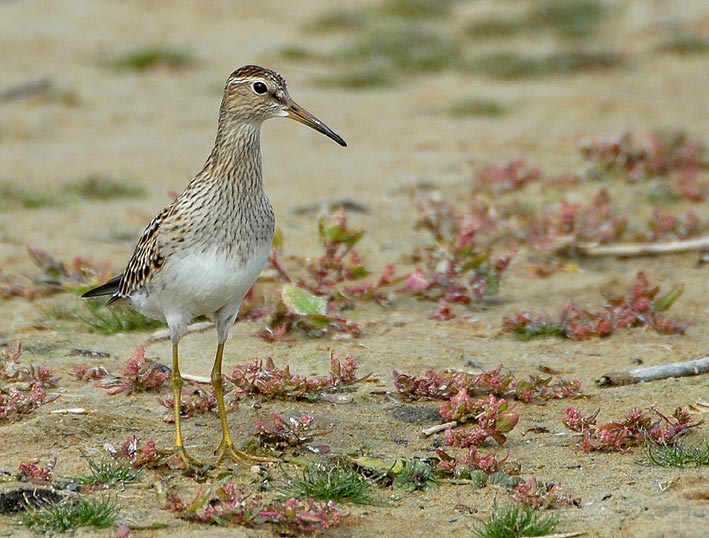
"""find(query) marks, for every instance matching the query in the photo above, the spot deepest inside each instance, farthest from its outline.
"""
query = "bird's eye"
(260, 87)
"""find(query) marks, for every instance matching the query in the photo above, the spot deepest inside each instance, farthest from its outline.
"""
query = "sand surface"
(156, 128)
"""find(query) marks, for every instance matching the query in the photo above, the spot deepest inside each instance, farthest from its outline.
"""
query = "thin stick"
(564, 535)
(439, 428)
(196, 378)
(164, 334)
(652, 373)
(645, 249)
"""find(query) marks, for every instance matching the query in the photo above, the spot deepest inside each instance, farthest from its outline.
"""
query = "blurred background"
(423, 90)
(539, 125)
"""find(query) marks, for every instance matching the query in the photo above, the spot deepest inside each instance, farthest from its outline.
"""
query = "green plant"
(678, 454)
(143, 59)
(336, 483)
(14, 196)
(403, 47)
(415, 474)
(107, 472)
(70, 515)
(417, 9)
(515, 521)
(685, 44)
(358, 78)
(571, 19)
(99, 187)
(338, 20)
(116, 320)
(476, 107)
(513, 65)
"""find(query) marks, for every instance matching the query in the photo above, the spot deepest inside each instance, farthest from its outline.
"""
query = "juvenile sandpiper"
(202, 253)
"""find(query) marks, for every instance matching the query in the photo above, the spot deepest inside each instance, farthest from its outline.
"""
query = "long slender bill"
(299, 114)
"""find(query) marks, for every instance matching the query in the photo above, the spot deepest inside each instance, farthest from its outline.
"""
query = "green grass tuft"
(359, 79)
(336, 483)
(539, 330)
(70, 515)
(493, 27)
(516, 521)
(685, 44)
(403, 47)
(145, 59)
(476, 107)
(338, 20)
(107, 472)
(299, 53)
(417, 9)
(14, 197)
(571, 19)
(117, 319)
(678, 454)
(511, 65)
(98, 187)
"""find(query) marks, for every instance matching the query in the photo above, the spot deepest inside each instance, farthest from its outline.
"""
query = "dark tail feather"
(109, 288)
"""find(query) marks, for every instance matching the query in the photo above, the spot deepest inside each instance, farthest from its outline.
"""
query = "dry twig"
(653, 373)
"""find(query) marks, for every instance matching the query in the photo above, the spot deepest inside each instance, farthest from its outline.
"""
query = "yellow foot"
(191, 463)
(239, 456)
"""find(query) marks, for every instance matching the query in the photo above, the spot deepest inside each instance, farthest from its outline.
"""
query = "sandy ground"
(157, 127)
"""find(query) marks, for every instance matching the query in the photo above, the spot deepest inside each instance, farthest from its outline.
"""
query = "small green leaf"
(302, 302)
(319, 321)
(278, 239)
(665, 302)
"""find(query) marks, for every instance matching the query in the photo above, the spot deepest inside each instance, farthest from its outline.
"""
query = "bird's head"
(255, 94)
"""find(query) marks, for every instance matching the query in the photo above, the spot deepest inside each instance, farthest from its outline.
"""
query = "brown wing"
(145, 260)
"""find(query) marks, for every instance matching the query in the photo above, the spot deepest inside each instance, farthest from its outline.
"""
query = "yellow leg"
(188, 460)
(226, 446)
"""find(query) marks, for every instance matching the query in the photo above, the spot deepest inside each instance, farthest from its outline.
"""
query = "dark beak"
(299, 114)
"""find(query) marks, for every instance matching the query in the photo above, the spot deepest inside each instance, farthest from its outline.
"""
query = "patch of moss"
(359, 79)
(473, 107)
(404, 47)
(685, 44)
(145, 59)
(512, 65)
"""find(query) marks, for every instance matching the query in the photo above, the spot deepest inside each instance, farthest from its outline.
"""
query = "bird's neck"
(236, 156)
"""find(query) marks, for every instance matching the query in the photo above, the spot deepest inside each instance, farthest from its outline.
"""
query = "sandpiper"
(202, 253)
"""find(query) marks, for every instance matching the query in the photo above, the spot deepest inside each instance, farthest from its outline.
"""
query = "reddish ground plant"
(81, 372)
(459, 265)
(474, 460)
(539, 495)
(665, 226)
(139, 455)
(641, 308)
(633, 430)
(311, 315)
(376, 290)
(510, 176)
(491, 416)
(194, 402)
(573, 223)
(282, 432)
(672, 155)
(228, 505)
(266, 379)
(485, 418)
(138, 375)
(443, 384)
(55, 276)
(22, 388)
(339, 263)
(33, 472)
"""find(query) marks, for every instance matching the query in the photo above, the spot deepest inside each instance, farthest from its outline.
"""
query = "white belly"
(199, 284)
